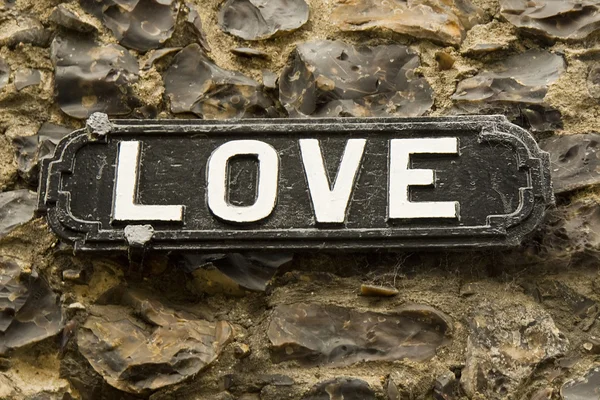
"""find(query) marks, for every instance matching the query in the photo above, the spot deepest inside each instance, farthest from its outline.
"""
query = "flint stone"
(519, 82)
(593, 81)
(543, 394)
(562, 19)
(341, 388)
(16, 208)
(29, 309)
(505, 344)
(572, 231)
(32, 149)
(140, 25)
(333, 79)
(194, 22)
(69, 19)
(27, 77)
(138, 344)
(592, 345)
(16, 28)
(92, 77)
(575, 161)
(250, 271)
(4, 73)
(157, 55)
(438, 20)
(580, 305)
(260, 19)
(248, 52)
(409, 384)
(585, 388)
(269, 79)
(195, 84)
(346, 336)
(445, 387)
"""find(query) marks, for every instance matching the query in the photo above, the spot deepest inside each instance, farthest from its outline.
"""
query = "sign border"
(499, 231)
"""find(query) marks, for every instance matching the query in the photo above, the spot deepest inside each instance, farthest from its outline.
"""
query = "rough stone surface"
(347, 336)
(71, 19)
(516, 85)
(194, 22)
(27, 77)
(90, 77)
(441, 21)
(140, 25)
(585, 388)
(4, 73)
(571, 19)
(258, 19)
(504, 346)
(575, 161)
(32, 149)
(17, 28)
(333, 79)
(194, 84)
(341, 388)
(233, 272)
(572, 232)
(554, 274)
(139, 345)
(29, 310)
(16, 208)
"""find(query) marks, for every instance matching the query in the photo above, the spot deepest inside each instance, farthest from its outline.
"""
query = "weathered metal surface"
(491, 191)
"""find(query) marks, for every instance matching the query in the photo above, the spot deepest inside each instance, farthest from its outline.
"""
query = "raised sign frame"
(499, 230)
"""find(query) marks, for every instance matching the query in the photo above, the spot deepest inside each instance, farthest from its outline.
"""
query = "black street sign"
(296, 184)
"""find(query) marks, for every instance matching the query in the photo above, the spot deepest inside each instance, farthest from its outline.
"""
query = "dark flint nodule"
(29, 310)
(443, 21)
(585, 388)
(4, 73)
(93, 77)
(16, 208)
(498, 361)
(341, 388)
(259, 19)
(66, 18)
(27, 77)
(32, 149)
(249, 52)
(574, 159)
(194, 83)
(141, 25)
(333, 79)
(573, 231)
(16, 28)
(516, 86)
(252, 271)
(553, 18)
(346, 335)
(140, 344)
(156, 55)
(194, 22)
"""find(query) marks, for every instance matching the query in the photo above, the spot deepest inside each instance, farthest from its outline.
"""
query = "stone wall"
(518, 324)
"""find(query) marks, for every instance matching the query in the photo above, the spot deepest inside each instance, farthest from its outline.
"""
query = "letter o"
(268, 175)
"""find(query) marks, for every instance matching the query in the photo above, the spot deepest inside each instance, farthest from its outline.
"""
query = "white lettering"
(124, 207)
(268, 175)
(330, 205)
(401, 177)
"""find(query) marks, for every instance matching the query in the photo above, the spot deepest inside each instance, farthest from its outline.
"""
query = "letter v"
(330, 205)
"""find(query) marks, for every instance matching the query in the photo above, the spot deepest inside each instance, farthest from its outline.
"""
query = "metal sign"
(295, 184)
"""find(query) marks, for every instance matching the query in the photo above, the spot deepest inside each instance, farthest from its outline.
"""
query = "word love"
(329, 201)
(295, 184)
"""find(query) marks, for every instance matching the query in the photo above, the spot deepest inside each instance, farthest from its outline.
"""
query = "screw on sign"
(338, 184)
